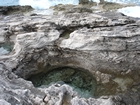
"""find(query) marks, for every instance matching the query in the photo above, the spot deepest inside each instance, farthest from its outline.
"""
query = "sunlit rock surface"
(103, 46)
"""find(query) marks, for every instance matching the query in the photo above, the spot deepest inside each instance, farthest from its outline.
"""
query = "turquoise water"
(6, 48)
(81, 81)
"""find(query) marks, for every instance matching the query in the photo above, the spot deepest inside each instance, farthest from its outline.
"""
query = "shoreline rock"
(104, 44)
(92, 7)
(7, 10)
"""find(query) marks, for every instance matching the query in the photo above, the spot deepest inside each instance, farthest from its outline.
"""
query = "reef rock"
(104, 46)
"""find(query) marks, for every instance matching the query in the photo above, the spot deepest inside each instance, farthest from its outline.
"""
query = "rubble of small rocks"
(104, 45)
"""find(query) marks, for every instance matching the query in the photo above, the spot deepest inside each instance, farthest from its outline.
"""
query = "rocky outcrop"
(7, 10)
(102, 45)
(91, 7)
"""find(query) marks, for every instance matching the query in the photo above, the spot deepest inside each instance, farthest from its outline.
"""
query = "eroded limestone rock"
(107, 47)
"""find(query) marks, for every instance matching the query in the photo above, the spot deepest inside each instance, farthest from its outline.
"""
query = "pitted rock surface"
(107, 48)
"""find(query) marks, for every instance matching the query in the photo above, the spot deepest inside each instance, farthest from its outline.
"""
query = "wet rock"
(6, 10)
(84, 1)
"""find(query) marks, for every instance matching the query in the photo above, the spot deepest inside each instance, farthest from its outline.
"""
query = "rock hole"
(82, 82)
(65, 34)
(29, 28)
(6, 48)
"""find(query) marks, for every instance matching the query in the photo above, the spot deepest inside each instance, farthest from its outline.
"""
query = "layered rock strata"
(104, 45)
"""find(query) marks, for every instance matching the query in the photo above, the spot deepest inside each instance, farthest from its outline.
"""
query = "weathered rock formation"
(90, 7)
(70, 50)
(7, 10)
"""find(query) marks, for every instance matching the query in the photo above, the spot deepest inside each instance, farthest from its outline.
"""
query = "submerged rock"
(105, 46)
(81, 81)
